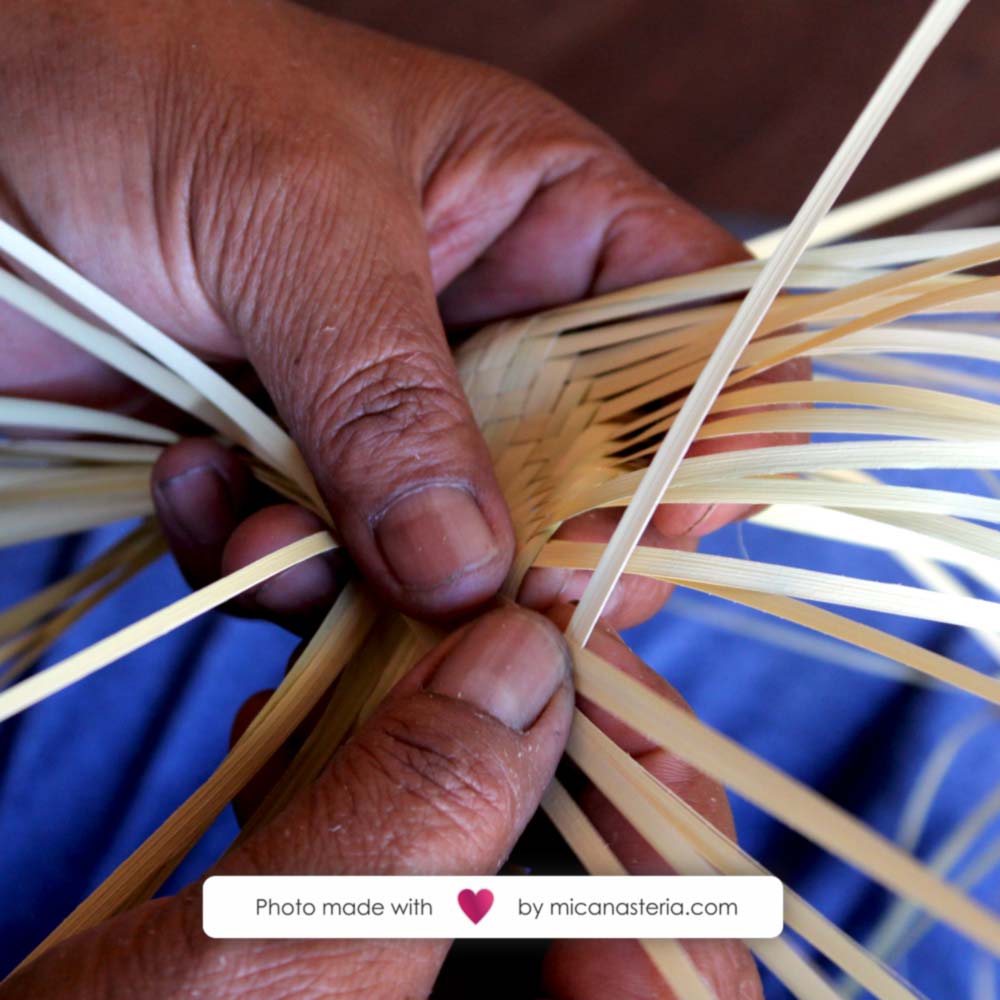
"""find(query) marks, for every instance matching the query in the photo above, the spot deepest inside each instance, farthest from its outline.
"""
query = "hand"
(275, 187)
(441, 780)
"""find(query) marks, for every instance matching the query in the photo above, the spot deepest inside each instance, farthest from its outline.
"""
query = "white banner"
(523, 906)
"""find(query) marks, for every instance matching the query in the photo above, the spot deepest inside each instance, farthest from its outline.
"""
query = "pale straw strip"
(748, 317)
(31, 646)
(692, 845)
(751, 312)
(797, 493)
(29, 487)
(16, 412)
(875, 394)
(912, 538)
(879, 319)
(830, 267)
(939, 578)
(789, 581)
(866, 213)
(643, 383)
(802, 643)
(668, 956)
(872, 640)
(796, 805)
(61, 675)
(25, 613)
(913, 371)
(64, 517)
(891, 251)
(244, 422)
(819, 457)
(81, 451)
(849, 421)
(111, 350)
(141, 874)
(391, 652)
(795, 972)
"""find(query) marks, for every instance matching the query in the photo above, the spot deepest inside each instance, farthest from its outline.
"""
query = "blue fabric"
(89, 773)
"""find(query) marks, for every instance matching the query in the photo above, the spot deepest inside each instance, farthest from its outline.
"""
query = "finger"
(356, 361)
(441, 780)
(591, 221)
(205, 499)
(635, 598)
(200, 491)
(298, 597)
(585, 970)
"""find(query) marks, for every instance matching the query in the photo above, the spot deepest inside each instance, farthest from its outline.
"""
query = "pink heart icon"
(475, 905)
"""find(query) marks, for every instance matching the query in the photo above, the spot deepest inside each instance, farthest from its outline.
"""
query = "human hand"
(273, 186)
(441, 780)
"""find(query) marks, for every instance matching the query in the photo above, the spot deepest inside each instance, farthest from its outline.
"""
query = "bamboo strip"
(927, 662)
(141, 874)
(798, 975)
(916, 541)
(207, 394)
(865, 213)
(31, 610)
(30, 647)
(799, 642)
(668, 956)
(368, 671)
(81, 451)
(29, 488)
(787, 581)
(689, 843)
(61, 675)
(794, 804)
(17, 412)
(47, 520)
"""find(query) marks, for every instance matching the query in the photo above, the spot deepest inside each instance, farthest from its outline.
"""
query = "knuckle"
(402, 401)
(423, 776)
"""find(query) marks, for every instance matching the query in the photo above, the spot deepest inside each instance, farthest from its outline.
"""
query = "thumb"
(441, 780)
(356, 359)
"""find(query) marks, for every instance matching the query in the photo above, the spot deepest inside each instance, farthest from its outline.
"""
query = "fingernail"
(434, 535)
(198, 504)
(508, 664)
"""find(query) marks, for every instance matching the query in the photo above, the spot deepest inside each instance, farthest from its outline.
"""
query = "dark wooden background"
(736, 105)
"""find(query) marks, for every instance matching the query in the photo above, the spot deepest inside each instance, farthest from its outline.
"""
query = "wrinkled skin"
(273, 186)
(314, 206)
(432, 783)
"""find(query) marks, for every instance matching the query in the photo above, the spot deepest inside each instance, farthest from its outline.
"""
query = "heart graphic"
(475, 905)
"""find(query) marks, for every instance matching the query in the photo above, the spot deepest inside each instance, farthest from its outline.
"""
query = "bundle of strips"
(588, 406)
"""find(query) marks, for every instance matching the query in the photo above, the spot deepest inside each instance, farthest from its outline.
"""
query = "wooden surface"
(736, 105)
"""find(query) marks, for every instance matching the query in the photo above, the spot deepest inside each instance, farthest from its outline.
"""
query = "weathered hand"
(270, 185)
(441, 780)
